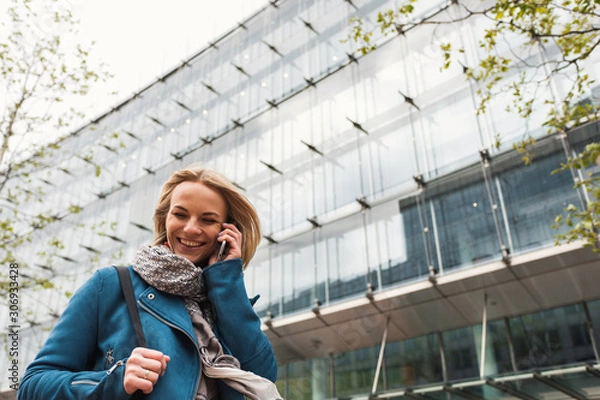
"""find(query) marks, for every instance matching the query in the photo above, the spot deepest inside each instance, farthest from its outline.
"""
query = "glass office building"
(405, 255)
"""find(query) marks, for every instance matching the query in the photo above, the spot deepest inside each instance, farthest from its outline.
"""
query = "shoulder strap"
(127, 288)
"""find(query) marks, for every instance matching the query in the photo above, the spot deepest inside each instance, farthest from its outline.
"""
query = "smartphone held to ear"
(221, 252)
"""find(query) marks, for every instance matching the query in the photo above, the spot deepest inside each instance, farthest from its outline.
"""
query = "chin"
(198, 260)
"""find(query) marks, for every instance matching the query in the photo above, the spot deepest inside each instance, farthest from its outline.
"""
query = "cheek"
(213, 232)
(170, 225)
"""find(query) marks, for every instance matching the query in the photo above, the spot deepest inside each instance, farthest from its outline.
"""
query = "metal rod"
(559, 386)
(510, 390)
(381, 354)
(332, 391)
(483, 337)
(443, 356)
(590, 326)
(461, 393)
(511, 347)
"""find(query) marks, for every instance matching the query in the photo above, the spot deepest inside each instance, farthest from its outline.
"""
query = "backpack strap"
(127, 288)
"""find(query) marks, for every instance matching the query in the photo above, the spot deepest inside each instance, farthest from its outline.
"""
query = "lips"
(189, 243)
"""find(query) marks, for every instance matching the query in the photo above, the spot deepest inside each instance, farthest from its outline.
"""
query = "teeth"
(189, 243)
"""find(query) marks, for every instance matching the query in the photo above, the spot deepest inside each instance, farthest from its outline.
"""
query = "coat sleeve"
(237, 325)
(63, 367)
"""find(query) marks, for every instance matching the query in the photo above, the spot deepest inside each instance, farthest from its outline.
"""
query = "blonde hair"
(239, 209)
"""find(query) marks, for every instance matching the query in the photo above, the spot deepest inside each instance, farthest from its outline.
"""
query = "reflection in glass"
(461, 354)
(551, 338)
(413, 362)
(354, 371)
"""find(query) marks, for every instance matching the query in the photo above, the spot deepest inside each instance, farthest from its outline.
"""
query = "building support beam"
(416, 396)
(461, 393)
(590, 326)
(483, 336)
(553, 383)
(591, 370)
(510, 390)
(381, 356)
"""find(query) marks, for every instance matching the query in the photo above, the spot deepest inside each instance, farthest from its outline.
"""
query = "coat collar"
(168, 308)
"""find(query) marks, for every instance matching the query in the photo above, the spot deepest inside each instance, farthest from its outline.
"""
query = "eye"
(179, 215)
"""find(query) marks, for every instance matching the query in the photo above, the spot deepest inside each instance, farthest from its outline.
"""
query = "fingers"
(143, 369)
(164, 361)
(233, 237)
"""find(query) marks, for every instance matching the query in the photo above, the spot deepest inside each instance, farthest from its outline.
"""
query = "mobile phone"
(221, 250)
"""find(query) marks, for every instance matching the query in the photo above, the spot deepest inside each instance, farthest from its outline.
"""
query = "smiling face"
(194, 220)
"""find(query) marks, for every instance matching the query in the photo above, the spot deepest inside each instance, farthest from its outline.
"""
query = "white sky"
(141, 40)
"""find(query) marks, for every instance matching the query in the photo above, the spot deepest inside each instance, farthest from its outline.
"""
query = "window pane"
(461, 354)
(413, 362)
(465, 225)
(532, 207)
(355, 371)
(550, 338)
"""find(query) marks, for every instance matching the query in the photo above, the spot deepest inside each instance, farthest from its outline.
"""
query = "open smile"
(189, 243)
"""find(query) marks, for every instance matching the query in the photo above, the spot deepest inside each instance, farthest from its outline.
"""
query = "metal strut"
(380, 359)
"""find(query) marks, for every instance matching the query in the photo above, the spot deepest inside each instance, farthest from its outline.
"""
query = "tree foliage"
(561, 33)
(44, 69)
(583, 224)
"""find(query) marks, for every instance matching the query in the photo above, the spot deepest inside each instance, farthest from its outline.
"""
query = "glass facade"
(358, 192)
(446, 365)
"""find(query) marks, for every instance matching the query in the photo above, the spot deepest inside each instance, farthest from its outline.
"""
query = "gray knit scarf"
(173, 274)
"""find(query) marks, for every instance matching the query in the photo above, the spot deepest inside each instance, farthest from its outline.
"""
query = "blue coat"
(84, 355)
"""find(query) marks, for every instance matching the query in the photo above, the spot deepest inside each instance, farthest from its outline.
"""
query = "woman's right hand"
(143, 369)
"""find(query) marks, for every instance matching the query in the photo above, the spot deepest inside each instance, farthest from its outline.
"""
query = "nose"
(192, 226)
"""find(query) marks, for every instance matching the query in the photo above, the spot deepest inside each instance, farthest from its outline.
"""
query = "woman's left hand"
(233, 248)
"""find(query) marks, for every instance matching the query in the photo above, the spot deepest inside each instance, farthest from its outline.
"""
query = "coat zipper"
(109, 357)
(85, 382)
(115, 366)
(164, 321)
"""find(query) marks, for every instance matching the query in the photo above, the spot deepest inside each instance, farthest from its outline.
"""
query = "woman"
(203, 338)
